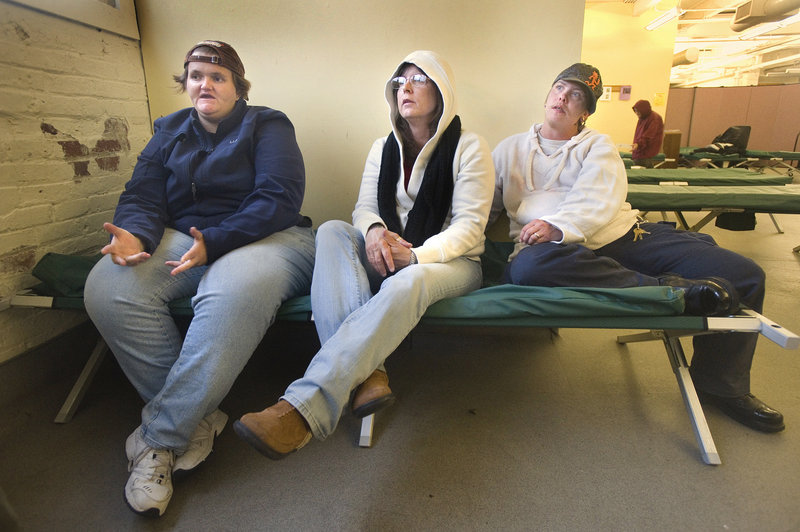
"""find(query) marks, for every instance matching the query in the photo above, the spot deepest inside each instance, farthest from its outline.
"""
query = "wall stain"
(48, 128)
(20, 31)
(21, 259)
(105, 152)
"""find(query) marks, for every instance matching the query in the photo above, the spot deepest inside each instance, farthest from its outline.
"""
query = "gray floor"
(493, 430)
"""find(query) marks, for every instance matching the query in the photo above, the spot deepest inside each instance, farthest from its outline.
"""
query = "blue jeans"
(361, 318)
(235, 301)
(721, 362)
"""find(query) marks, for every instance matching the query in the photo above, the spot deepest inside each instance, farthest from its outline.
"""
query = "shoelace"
(154, 465)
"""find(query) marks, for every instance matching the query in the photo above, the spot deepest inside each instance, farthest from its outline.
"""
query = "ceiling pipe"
(769, 11)
(686, 57)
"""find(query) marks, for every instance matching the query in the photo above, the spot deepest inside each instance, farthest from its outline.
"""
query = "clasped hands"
(127, 250)
(538, 231)
(386, 250)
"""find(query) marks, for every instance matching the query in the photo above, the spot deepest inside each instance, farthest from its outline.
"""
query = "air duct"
(755, 12)
(686, 57)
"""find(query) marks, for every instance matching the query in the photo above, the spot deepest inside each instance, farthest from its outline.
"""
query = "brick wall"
(73, 118)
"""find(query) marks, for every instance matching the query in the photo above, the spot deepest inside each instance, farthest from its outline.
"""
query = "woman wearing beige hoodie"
(564, 187)
(416, 238)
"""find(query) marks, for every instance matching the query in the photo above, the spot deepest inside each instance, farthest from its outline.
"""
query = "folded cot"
(657, 310)
(780, 161)
(704, 177)
(771, 199)
(689, 156)
(658, 159)
(773, 160)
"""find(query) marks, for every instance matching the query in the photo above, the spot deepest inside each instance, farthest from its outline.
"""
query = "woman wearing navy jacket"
(212, 211)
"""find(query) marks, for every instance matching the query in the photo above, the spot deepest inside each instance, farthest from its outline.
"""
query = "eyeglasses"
(417, 80)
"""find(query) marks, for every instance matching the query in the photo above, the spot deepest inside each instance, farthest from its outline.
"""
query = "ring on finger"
(536, 235)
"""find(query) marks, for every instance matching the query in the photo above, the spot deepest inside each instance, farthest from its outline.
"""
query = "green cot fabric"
(629, 155)
(65, 275)
(510, 301)
(705, 176)
(787, 155)
(689, 153)
(758, 154)
(772, 199)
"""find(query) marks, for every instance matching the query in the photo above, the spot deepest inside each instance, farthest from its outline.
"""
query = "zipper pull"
(194, 191)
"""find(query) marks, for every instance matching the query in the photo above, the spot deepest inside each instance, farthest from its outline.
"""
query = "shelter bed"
(773, 160)
(657, 310)
(773, 199)
(689, 157)
(704, 177)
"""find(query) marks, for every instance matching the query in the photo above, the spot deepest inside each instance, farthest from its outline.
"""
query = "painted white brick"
(27, 217)
(62, 82)
(16, 239)
(67, 210)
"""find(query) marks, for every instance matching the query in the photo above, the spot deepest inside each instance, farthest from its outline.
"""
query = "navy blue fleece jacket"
(237, 186)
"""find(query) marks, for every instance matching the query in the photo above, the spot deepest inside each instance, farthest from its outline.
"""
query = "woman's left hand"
(196, 256)
(538, 231)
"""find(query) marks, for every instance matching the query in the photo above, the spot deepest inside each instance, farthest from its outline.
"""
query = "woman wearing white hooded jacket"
(416, 238)
(564, 189)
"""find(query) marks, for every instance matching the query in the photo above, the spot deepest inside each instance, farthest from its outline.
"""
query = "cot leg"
(365, 439)
(638, 337)
(82, 384)
(708, 450)
(707, 218)
(682, 220)
(796, 250)
(775, 223)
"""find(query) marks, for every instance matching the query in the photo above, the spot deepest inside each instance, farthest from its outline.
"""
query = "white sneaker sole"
(184, 463)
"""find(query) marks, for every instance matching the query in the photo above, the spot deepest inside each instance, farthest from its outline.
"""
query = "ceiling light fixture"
(664, 18)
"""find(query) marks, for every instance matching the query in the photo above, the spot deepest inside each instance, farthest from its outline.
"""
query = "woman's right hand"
(124, 248)
(382, 245)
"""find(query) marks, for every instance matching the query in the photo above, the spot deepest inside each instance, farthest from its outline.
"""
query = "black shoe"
(712, 296)
(748, 410)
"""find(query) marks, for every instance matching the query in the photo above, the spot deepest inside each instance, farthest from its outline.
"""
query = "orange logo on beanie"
(594, 80)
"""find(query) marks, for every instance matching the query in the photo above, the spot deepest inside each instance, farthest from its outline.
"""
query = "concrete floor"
(494, 429)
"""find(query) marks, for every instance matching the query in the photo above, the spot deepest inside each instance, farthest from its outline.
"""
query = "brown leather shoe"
(275, 431)
(372, 395)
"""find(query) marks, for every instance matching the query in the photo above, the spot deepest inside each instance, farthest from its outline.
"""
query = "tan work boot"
(372, 395)
(275, 431)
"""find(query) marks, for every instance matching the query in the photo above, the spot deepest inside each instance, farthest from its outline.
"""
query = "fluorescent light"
(664, 18)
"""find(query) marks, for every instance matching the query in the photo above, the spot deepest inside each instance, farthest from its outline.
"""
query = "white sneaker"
(201, 442)
(149, 488)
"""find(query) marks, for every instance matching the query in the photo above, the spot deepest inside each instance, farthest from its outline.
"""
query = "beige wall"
(72, 87)
(325, 64)
(626, 54)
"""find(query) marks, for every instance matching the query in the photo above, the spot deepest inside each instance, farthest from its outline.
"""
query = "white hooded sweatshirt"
(580, 188)
(473, 176)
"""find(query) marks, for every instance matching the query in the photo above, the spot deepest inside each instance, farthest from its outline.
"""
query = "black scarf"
(435, 196)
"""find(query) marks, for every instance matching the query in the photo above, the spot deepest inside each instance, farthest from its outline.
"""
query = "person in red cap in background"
(564, 186)
(648, 136)
(212, 212)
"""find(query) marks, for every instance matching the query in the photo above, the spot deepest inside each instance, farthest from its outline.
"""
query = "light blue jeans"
(235, 301)
(359, 330)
